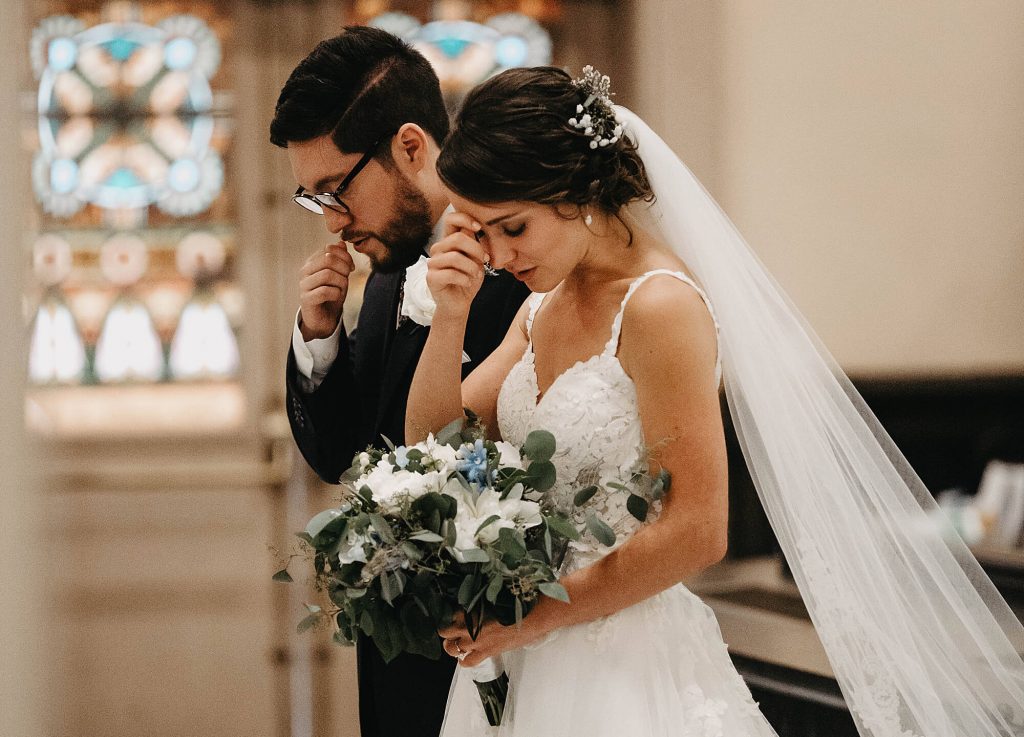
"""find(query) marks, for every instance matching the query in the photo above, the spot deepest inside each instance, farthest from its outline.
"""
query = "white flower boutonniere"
(418, 304)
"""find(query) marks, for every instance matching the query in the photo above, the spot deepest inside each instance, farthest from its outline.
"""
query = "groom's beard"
(405, 236)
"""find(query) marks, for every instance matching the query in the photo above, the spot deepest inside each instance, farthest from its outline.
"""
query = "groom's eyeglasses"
(316, 203)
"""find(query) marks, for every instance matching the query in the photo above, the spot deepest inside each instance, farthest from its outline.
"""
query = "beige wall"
(873, 155)
(22, 624)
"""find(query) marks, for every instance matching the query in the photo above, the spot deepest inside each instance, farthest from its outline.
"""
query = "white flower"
(390, 488)
(475, 509)
(351, 549)
(418, 304)
(445, 456)
(509, 455)
(364, 462)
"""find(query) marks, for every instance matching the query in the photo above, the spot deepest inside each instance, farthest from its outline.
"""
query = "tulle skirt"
(656, 669)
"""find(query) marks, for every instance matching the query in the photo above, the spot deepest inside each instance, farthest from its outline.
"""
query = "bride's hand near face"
(455, 271)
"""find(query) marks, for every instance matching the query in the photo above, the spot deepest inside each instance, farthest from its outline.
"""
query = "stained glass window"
(464, 49)
(134, 263)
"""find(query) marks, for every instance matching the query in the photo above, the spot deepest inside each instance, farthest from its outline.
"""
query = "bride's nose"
(501, 256)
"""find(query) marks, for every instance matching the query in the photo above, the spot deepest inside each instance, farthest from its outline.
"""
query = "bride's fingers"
(456, 221)
(454, 261)
(460, 243)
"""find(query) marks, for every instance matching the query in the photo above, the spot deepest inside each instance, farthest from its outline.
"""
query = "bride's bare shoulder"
(667, 321)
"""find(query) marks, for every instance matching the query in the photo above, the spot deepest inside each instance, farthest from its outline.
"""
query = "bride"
(643, 294)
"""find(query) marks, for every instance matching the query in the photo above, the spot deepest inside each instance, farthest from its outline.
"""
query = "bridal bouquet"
(452, 523)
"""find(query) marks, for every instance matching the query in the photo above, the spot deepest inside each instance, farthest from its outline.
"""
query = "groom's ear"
(410, 148)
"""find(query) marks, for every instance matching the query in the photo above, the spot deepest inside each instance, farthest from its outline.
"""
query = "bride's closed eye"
(513, 232)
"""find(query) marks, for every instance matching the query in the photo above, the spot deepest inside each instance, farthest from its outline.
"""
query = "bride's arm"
(668, 348)
(437, 394)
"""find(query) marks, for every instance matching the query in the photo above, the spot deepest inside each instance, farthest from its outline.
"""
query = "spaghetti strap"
(535, 301)
(612, 346)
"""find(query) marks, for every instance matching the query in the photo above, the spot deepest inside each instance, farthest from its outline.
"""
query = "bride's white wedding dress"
(656, 669)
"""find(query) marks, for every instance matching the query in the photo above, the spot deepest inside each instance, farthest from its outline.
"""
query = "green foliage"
(283, 576)
(555, 590)
(539, 446)
(600, 530)
(584, 495)
(637, 506)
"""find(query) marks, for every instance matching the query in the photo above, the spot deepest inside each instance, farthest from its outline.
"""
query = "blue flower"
(401, 456)
(474, 462)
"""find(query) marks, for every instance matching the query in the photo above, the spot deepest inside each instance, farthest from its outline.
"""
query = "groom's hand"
(455, 270)
(323, 287)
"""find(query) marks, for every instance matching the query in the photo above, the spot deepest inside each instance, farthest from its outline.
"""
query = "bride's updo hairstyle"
(513, 140)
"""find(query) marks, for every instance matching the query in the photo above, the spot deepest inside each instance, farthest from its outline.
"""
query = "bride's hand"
(455, 270)
(493, 639)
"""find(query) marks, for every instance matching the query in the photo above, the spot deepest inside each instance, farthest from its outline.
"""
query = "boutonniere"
(418, 303)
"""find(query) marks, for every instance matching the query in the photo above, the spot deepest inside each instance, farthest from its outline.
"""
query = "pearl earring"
(588, 219)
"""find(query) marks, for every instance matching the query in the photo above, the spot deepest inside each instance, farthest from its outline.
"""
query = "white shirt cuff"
(314, 358)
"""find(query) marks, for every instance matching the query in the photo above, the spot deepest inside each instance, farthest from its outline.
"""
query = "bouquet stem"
(492, 684)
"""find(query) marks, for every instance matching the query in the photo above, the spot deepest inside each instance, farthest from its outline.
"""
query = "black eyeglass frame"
(315, 203)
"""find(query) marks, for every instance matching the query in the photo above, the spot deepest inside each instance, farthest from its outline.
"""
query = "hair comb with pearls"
(596, 116)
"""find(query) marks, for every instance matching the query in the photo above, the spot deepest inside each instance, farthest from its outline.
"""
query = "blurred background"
(872, 154)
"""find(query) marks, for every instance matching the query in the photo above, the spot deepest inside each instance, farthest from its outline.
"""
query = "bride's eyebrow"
(503, 217)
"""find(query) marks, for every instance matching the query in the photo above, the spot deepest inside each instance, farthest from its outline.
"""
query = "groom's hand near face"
(323, 287)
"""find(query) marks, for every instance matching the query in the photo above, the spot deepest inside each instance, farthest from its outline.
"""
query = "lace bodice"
(591, 409)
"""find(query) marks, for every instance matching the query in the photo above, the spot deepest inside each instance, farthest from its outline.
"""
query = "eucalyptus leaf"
(283, 576)
(657, 489)
(539, 446)
(312, 608)
(475, 555)
(494, 587)
(617, 485)
(584, 495)
(519, 611)
(387, 588)
(637, 506)
(410, 550)
(426, 536)
(321, 521)
(562, 527)
(466, 591)
(489, 521)
(600, 530)
(510, 542)
(387, 442)
(340, 639)
(452, 429)
(366, 623)
(541, 475)
(308, 622)
(383, 528)
(555, 590)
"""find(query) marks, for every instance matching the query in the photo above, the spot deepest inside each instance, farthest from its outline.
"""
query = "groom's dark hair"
(356, 87)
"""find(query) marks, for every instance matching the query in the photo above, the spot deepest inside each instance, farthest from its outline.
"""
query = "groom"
(362, 119)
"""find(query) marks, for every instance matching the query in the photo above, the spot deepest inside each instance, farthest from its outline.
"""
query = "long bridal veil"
(920, 641)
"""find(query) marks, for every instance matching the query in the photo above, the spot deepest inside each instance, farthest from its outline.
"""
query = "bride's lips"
(520, 275)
